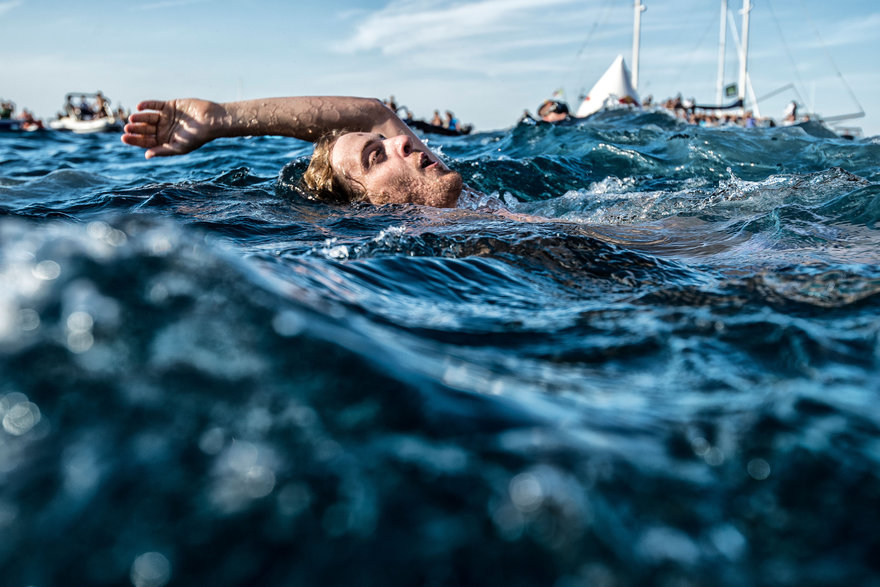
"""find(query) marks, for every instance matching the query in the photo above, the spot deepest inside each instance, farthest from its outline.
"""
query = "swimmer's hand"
(172, 127)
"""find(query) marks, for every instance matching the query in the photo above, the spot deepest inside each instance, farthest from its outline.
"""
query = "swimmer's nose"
(401, 144)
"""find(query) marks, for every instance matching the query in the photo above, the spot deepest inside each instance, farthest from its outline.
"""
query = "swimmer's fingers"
(150, 144)
(140, 128)
(137, 140)
(161, 151)
(151, 105)
(145, 117)
(140, 134)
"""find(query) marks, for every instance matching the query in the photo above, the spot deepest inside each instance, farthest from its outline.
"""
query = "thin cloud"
(406, 26)
(168, 4)
(850, 32)
(7, 6)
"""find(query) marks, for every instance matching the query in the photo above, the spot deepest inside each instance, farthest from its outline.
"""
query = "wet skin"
(393, 170)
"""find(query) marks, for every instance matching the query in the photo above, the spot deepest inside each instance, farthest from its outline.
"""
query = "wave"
(209, 379)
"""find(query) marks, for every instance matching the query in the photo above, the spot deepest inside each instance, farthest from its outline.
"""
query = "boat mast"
(722, 42)
(637, 32)
(744, 51)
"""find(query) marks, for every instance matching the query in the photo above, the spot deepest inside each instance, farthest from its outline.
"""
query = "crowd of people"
(83, 109)
(686, 109)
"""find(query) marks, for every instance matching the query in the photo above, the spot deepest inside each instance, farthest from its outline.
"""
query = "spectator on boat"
(553, 111)
(677, 106)
(6, 110)
(791, 112)
(391, 103)
(102, 107)
(436, 120)
(689, 105)
(363, 151)
(69, 108)
(28, 122)
(84, 111)
(451, 121)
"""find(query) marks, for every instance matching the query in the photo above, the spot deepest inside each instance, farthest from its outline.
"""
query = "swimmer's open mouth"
(424, 161)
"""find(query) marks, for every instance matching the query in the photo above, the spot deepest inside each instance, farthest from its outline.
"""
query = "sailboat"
(812, 123)
(617, 85)
(613, 88)
(745, 92)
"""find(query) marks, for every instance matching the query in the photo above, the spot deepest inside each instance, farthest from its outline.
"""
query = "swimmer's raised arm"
(174, 127)
(374, 158)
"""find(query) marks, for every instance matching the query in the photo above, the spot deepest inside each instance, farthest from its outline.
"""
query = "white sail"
(614, 87)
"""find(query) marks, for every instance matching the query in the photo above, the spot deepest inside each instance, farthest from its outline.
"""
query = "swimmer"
(363, 151)
(553, 111)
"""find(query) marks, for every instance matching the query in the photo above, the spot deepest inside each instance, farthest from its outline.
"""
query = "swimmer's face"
(550, 112)
(553, 117)
(391, 171)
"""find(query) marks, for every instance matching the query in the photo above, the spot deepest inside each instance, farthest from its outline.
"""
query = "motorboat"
(427, 127)
(87, 117)
(105, 124)
(24, 122)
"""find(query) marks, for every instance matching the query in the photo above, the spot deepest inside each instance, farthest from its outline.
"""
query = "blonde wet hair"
(322, 181)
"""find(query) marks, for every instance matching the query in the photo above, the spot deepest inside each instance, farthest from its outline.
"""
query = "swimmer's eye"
(377, 155)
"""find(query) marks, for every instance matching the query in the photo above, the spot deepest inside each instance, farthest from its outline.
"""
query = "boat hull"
(9, 124)
(426, 127)
(106, 124)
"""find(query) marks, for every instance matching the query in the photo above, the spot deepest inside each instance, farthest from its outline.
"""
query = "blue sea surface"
(672, 377)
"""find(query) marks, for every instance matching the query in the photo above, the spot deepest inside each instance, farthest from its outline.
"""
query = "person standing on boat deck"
(100, 106)
(363, 151)
(436, 120)
(791, 112)
(69, 108)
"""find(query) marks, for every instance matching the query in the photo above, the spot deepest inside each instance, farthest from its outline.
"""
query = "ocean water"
(672, 379)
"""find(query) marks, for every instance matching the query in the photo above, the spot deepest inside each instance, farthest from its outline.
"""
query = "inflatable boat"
(87, 117)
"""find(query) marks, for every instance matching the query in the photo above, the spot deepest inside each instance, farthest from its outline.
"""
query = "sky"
(486, 60)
